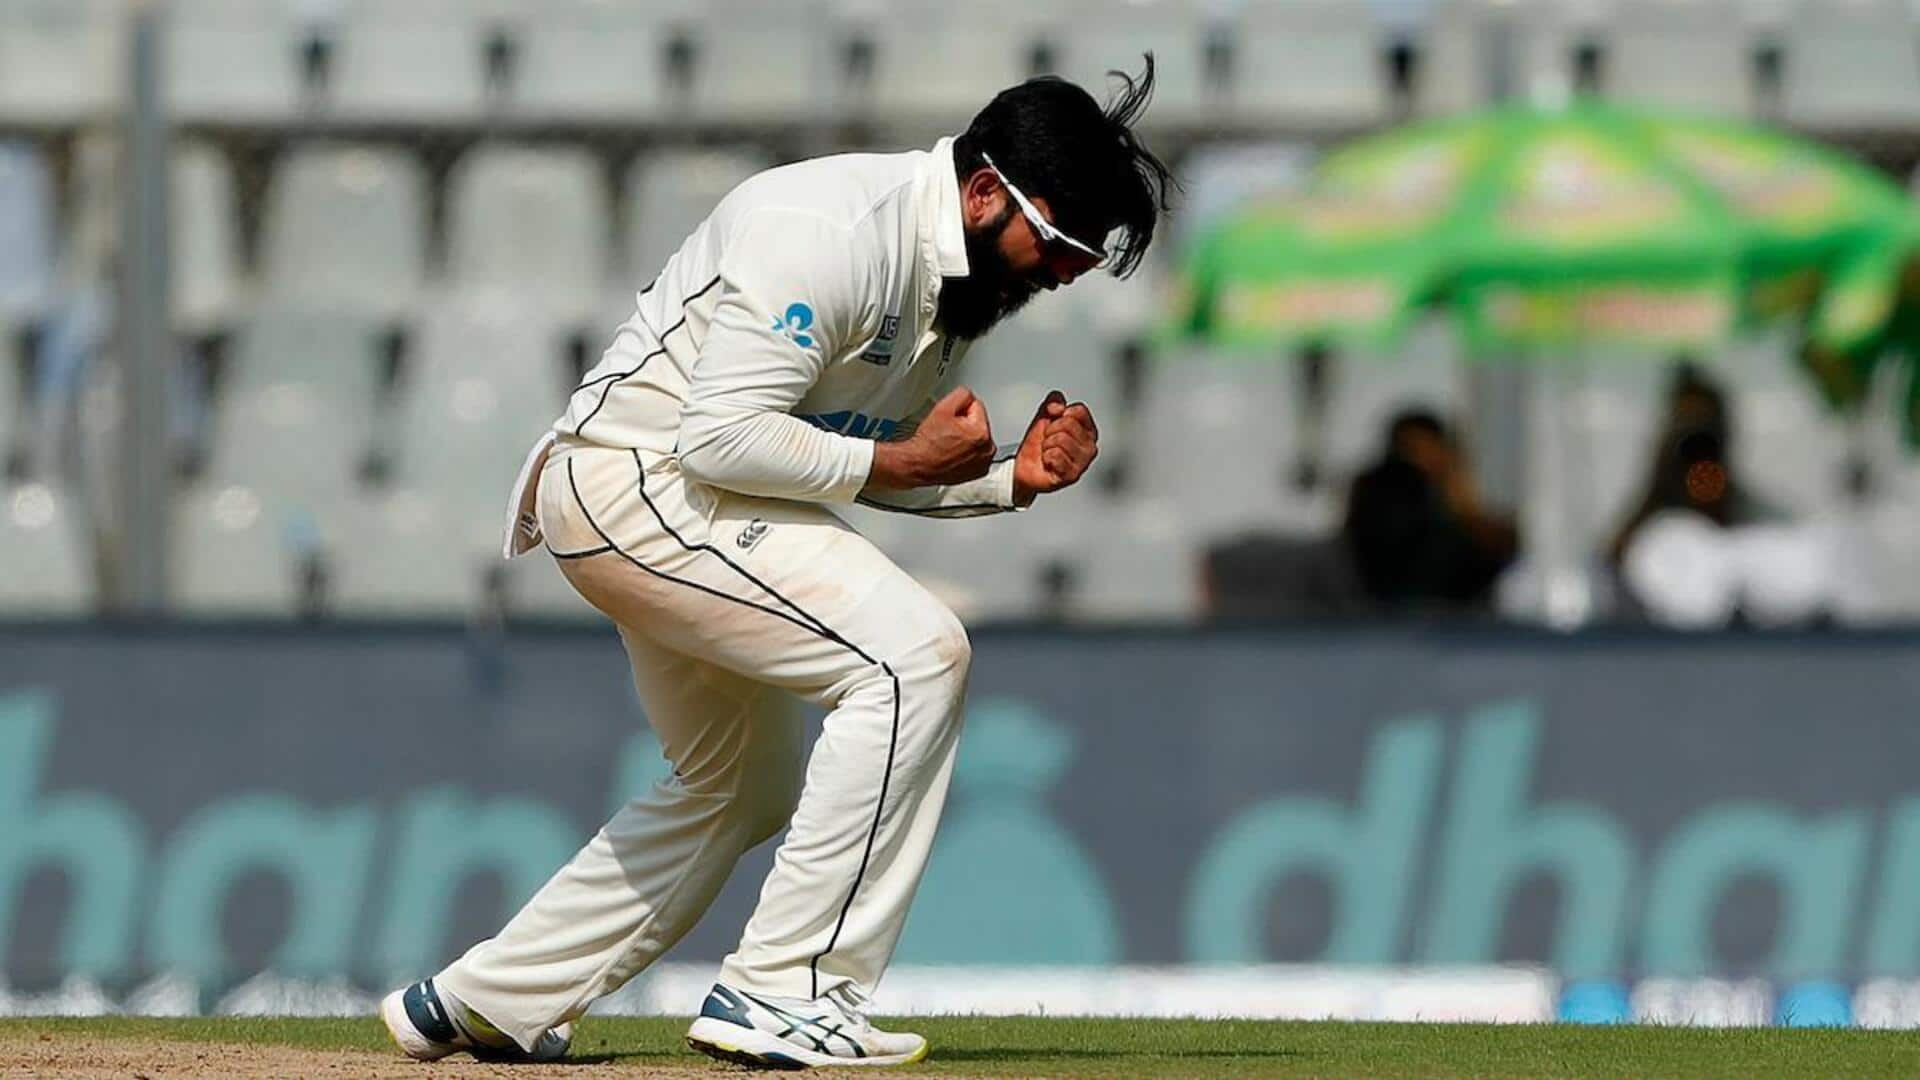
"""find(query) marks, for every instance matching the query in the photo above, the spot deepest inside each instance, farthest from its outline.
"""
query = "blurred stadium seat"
(1366, 389)
(1789, 450)
(669, 193)
(798, 71)
(1851, 64)
(294, 418)
(1215, 440)
(207, 276)
(12, 392)
(483, 382)
(1097, 37)
(289, 434)
(28, 246)
(1463, 46)
(18, 421)
(1697, 56)
(529, 225)
(993, 43)
(1052, 345)
(232, 554)
(47, 569)
(413, 556)
(1307, 63)
(987, 568)
(1877, 583)
(421, 62)
(1615, 413)
(1603, 421)
(325, 129)
(1141, 560)
(346, 227)
(1453, 46)
(588, 60)
(236, 61)
(60, 60)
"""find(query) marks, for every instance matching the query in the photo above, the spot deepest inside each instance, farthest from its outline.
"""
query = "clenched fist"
(952, 445)
(1060, 444)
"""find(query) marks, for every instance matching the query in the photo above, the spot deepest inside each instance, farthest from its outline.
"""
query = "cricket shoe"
(429, 1024)
(794, 1033)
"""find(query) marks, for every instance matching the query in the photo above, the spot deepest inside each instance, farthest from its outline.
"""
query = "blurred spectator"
(1701, 550)
(1692, 466)
(1416, 530)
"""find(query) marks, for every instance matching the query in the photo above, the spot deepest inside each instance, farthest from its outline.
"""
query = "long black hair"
(1054, 141)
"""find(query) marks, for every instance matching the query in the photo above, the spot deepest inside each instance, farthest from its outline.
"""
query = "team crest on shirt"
(795, 324)
(881, 351)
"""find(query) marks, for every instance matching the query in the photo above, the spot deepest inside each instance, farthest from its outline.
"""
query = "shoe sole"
(393, 1012)
(775, 1053)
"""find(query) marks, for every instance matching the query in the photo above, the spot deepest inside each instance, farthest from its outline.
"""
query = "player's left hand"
(1060, 444)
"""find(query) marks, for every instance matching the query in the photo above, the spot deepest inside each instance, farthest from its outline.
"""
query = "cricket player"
(802, 350)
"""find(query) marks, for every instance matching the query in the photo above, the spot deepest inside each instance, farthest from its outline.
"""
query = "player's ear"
(980, 197)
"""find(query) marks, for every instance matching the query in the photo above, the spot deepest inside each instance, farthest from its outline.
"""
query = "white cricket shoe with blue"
(429, 1024)
(794, 1033)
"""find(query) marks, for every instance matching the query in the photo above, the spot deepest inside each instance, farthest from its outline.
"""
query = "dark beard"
(991, 291)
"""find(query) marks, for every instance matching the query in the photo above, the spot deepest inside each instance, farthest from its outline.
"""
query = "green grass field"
(1159, 1049)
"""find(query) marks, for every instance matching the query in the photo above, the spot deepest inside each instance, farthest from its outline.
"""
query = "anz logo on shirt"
(858, 425)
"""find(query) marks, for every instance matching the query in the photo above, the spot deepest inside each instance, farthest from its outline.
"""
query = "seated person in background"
(1693, 466)
(1415, 527)
(1688, 555)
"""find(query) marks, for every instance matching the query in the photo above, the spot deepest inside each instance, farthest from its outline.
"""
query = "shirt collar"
(949, 232)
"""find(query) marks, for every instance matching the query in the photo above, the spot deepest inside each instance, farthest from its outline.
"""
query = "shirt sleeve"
(790, 289)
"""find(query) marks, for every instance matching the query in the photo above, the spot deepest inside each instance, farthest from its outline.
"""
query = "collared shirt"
(793, 329)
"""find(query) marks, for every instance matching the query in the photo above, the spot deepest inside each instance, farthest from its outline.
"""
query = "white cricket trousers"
(730, 606)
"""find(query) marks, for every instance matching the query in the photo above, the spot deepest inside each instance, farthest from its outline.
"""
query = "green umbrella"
(1541, 229)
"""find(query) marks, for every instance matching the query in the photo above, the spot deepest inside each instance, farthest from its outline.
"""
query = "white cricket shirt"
(791, 330)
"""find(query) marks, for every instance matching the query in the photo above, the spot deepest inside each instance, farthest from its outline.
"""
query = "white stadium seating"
(295, 416)
(1697, 56)
(61, 61)
(589, 60)
(207, 286)
(27, 239)
(984, 47)
(1094, 37)
(48, 570)
(529, 226)
(484, 184)
(346, 227)
(1306, 63)
(787, 49)
(235, 61)
(668, 194)
(421, 61)
(483, 382)
(1851, 64)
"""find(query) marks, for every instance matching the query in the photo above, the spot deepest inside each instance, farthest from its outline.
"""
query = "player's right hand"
(954, 443)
